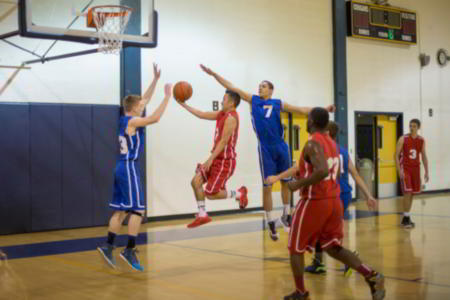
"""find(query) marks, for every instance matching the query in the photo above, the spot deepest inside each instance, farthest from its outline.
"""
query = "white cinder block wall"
(286, 42)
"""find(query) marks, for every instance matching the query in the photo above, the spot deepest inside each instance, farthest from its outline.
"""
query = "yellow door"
(387, 139)
(299, 137)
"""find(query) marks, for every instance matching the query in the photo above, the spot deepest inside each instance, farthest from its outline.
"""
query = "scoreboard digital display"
(386, 23)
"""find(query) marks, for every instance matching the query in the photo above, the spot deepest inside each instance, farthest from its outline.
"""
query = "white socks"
(269, 216)
(286, 209)
(234, 194)
(201, 208)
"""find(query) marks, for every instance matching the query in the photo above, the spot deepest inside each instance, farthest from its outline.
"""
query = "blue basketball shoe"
(129, 255)
(107, 252)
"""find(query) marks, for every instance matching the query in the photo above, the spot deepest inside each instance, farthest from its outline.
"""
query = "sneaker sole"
(203, 223)
(407, 226)
(133, 267)
(279, 222)
(274, 237)
(110, 263)
(316, 272)
(348, 273)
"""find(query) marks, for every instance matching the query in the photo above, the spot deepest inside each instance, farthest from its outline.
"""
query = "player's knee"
(196, 182)
(212, 196)
(136, 213)
(267, 190)
(334, 250)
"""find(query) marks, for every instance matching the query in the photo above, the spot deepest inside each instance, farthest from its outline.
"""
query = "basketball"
(182, 91)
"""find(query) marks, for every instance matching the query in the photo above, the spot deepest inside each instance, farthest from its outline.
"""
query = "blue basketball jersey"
(266, 120)
(344, 179)
(130, 146)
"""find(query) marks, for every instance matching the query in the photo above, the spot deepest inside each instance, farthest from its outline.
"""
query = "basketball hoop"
(110, 21)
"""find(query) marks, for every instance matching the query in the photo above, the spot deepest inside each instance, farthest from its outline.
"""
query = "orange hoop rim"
(126, 11)
(90, 18)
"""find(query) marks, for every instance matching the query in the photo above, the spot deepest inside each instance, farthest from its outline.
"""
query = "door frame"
(399, 116)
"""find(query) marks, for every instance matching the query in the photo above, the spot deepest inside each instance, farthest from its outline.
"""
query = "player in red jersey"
(407, 157)
(318, 214)
(220, 165)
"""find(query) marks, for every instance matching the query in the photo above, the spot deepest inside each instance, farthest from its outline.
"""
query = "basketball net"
(111, 22)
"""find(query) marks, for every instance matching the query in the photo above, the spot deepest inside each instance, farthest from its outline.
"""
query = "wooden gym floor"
(233, 258)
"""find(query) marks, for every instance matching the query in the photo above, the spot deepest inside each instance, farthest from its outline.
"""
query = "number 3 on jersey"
(333, 168)
(412, 154)
(123, 145)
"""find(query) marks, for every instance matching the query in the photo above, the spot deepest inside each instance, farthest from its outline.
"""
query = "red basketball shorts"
(411, 183)
(316, 220)
(218, 175)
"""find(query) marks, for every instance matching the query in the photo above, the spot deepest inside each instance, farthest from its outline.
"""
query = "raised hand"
(331, 108)
(206, 70)
(156, 72)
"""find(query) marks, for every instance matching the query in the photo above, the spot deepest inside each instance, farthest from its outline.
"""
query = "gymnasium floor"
(233, 258)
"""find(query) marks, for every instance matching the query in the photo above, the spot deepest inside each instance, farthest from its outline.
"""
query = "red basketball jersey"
(229, 150)
(412, 147)
(328, 187)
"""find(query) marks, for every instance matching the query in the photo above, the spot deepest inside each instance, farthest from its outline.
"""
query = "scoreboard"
(378, 22)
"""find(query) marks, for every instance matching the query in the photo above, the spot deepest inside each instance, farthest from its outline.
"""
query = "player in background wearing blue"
(347, 166)
(128, 196)
(274, 154)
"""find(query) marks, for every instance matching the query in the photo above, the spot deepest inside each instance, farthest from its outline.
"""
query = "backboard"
(66, 20)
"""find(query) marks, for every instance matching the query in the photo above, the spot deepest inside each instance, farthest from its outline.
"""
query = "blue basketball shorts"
(128, 193)
(274, 159)
(346, 198)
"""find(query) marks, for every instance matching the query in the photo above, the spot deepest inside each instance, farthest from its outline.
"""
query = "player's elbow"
(156, 118)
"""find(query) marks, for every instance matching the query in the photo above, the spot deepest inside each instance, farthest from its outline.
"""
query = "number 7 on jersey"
(269, 110)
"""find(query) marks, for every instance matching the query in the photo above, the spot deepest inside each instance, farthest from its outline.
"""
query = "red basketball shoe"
(243, 200)
(199, 221)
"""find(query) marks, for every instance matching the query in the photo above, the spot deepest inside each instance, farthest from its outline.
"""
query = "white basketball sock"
(286, 209)
(269, 216)
(234, 194)
(201, 208)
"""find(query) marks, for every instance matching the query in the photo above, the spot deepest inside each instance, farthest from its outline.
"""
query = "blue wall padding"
(46, 166)
(77, 166)
(56, 165)
(105, 151)
(15, 200)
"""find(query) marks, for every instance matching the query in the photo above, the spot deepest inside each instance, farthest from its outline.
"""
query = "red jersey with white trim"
(412, 147)
(328, 187)
(229, 150)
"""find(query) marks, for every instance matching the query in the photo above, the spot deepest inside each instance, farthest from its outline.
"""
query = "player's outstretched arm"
(156, 116)
(150, 90)
(313, 152)
(286, 174)
(228, 85)
(205, 115)
(371, 202)
(398, 152)
(425, 162)
(228, 129)
(304, 110)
